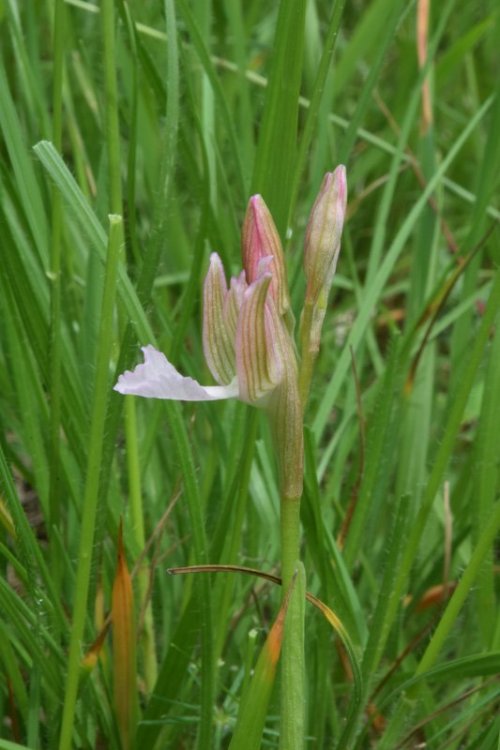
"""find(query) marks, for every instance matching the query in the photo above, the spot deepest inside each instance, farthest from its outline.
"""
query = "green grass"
(169, 115)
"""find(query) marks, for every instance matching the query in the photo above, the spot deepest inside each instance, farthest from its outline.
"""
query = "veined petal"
(218, 344)
(280, 347)
(158, 378)
(260, 238)
(234, 300)
(259, 371)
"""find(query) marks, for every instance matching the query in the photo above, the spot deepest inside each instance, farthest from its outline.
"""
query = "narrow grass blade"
(485, 480)
(86, 219)
(475, 665)
(6, 520)
(124, 652)
(276, 151)
(29, 189)
(204, 59)
(315, 103)
(392, 17)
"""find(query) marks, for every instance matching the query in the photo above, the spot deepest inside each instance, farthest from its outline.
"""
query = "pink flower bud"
(259, 239)
(324, 230)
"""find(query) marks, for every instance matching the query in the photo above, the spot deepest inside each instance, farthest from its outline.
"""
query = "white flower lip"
(158, 378)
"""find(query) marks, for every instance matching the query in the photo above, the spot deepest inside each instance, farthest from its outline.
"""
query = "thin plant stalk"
(293, 660)
(308, 354)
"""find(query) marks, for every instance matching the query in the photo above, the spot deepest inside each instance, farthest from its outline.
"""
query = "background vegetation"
(170, 115)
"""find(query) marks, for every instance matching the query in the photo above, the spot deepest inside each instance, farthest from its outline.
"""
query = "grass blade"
(124, 657)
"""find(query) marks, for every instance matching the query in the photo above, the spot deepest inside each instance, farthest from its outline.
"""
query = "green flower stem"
(91, 492)
(290, 537)
(308, 354)
(146, 636)
(292, 658)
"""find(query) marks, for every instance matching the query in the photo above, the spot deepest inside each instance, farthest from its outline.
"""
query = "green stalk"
(290, 537)
(308, 354)
(91, 493)
(292, 658)
(287, 424)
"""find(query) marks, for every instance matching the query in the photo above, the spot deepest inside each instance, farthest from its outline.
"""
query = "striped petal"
(218, 344)
(234, 300)
(158, 378)
(259, 370)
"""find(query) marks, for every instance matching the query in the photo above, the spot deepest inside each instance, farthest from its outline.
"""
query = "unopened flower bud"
(260, 239)
(324, 230)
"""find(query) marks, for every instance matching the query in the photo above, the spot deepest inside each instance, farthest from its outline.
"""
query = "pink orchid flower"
(247, 347)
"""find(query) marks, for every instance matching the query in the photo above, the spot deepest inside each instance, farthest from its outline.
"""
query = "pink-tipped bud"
(324, 230)
(260, 238)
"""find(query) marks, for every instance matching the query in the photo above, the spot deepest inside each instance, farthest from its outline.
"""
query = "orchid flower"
(247, 348)
(247, 327)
